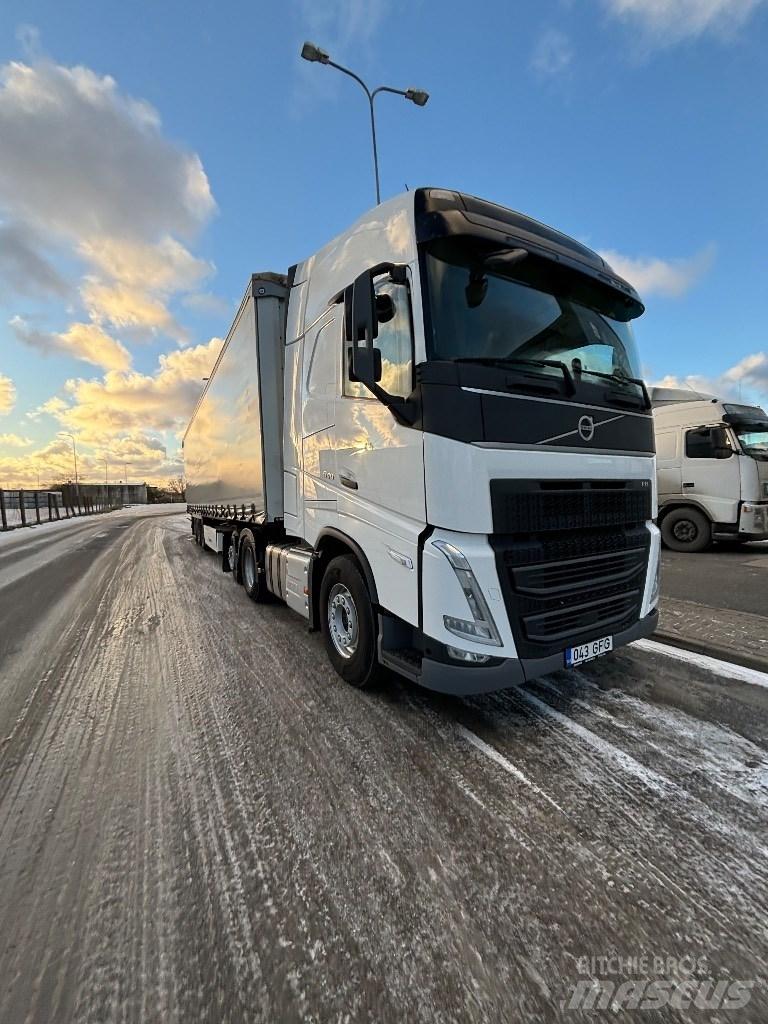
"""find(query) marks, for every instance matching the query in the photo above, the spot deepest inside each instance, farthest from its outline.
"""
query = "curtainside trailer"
(431, 440)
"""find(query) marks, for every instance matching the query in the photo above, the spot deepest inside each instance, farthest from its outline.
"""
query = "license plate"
(586, 652)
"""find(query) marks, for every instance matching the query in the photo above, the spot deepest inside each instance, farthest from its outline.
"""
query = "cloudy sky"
(153, 155)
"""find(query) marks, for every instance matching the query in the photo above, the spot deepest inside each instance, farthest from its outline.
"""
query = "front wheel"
(686, 529)
(348, 622)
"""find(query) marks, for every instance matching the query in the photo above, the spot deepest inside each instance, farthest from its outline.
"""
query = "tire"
(348, 622)
(251, 567)
(686, 529)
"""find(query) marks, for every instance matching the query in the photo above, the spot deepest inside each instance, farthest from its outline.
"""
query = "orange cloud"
(101, 411)
(127, 307)
(82, 341)
(7, 394)
(14, 441)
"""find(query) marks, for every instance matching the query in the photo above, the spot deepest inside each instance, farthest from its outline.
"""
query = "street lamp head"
(417, 96)
(311, 52)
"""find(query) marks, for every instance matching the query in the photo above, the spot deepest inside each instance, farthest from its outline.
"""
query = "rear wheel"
(233, 558)
(251, 563)
(347, 621)
(686, 529)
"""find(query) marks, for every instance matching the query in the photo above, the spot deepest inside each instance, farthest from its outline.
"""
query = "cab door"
(380, 462)
(319, 391)
(668, 463)
(714, 482)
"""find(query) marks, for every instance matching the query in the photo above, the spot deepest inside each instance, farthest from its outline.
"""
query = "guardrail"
(19, 508)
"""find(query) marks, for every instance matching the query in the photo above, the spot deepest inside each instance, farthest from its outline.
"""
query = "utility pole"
(65, 433)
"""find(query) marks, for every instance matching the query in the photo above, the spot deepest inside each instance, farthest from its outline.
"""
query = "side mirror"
(719, 440)
(377, 369)
(364, 328)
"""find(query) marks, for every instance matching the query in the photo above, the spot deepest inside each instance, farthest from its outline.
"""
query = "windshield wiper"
(615, 378)
(512, 361)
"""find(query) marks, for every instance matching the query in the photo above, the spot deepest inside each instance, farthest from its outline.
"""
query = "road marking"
(500, 760)
(653, 780)
(720, 668)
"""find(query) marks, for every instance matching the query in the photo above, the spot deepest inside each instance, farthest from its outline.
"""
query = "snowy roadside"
(8, 538)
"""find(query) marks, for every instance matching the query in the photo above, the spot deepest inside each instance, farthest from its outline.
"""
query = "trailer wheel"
(686, 529)
(233, 558)
(251, 564)
(347, 622)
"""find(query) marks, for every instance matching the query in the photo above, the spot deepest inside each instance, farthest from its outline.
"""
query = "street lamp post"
(66, 433)
(311, 52)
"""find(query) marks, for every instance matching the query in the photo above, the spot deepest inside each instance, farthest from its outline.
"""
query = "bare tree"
(177, 486)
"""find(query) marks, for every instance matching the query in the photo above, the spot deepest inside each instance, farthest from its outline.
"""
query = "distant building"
(107, 494)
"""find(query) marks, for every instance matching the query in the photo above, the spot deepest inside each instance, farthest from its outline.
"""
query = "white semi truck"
(430, 440)
(712, 465)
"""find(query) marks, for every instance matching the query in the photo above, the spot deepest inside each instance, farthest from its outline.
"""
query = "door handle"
(691, 484)
(347, 481)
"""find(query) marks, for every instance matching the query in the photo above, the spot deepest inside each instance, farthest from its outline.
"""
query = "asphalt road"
(200, 822)
(732, 578)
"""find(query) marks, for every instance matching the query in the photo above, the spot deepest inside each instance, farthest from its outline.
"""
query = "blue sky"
(153, 155)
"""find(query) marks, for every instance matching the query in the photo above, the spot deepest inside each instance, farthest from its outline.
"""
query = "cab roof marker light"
(481, 628)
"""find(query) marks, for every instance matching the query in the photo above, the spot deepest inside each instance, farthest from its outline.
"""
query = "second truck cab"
(712, 464)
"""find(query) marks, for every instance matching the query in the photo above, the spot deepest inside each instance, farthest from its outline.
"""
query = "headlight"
(480, 628)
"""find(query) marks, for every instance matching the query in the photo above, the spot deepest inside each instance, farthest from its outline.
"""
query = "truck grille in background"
(571, 558)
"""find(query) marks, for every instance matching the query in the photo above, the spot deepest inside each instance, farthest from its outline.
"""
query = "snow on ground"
(714, 665)
(22, 534)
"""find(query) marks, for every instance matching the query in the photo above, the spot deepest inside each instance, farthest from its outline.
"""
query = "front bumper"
(464, 680)
(753, 520)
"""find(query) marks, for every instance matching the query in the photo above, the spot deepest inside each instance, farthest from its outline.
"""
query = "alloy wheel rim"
(343, 622)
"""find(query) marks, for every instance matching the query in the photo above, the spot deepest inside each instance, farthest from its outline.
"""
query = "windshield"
(753, 442)
(515, 320)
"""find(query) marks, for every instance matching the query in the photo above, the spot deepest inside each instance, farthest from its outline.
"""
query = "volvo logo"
(586, 428)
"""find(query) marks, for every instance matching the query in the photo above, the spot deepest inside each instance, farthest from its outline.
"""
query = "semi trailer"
(712, 467)
(431, 441)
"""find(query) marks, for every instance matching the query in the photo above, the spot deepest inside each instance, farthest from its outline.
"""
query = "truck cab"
(467, 456)
(712, 465)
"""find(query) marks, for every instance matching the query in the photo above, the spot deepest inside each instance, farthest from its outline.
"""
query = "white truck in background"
(712, 468)
(430, 440)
